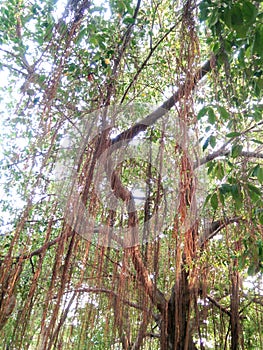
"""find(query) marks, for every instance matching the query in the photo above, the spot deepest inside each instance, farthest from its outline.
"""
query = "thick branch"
(251, 155)
(162, 110)
(215, 227)
(44, 247)
(223, 152)
(131, 241)
(216, 303)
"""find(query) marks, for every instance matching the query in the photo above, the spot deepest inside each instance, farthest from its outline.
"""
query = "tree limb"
(146, 61)
(125, 42)
(251, 155)
(215, 227)
(153, 117)
(224, 152)
(218, 305)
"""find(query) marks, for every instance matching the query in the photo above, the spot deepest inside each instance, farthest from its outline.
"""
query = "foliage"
(120, 58)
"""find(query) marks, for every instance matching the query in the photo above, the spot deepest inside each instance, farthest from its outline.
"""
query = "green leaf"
(257, 116)
(223, 112)
(241, 261)
(259, 85)
(254, 189)
(258, 42)
(216, 47)
(213, 19)
(252, 269)
(258, 172)
(260, 248)
(214, 201)
(225, 188)
(260, 175)
(204, 10)
(211, 116)
(255, 170)
(233, 134)
(236, 150)
(227, 17)
(128, 6)
(81, 35)
(234, 191)
(201, 113)
(93, 40)
(222, 198)
(212, 141)
(254, 192)
(129, 20)
(237, 195)
(207, 199)
(257, 141)
(220, 171)
(242, 30)
(210, 167)
(205, 145)
(249, 11)
(236, 15)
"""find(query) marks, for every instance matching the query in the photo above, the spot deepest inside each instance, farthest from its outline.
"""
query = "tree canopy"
(132, 174)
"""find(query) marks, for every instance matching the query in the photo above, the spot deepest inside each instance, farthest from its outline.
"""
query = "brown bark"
(178, 330)
(234, 310)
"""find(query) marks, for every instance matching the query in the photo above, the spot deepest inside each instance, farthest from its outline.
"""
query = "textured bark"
(234, 307)
(178, 330)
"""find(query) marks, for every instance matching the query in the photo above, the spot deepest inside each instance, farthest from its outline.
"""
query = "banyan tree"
(132, 173)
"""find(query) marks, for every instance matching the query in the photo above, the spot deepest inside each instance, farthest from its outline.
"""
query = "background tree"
(89, 74)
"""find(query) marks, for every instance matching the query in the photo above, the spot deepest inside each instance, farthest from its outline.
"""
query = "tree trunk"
(234, 308)
(177, 330)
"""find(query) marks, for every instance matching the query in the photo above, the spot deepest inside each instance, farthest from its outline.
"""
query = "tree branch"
(153, 117)
(146, 61)
(125, 42)
(251, 154)
(217, 304)
(224, 152)
(44, 247)
(215, 227)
